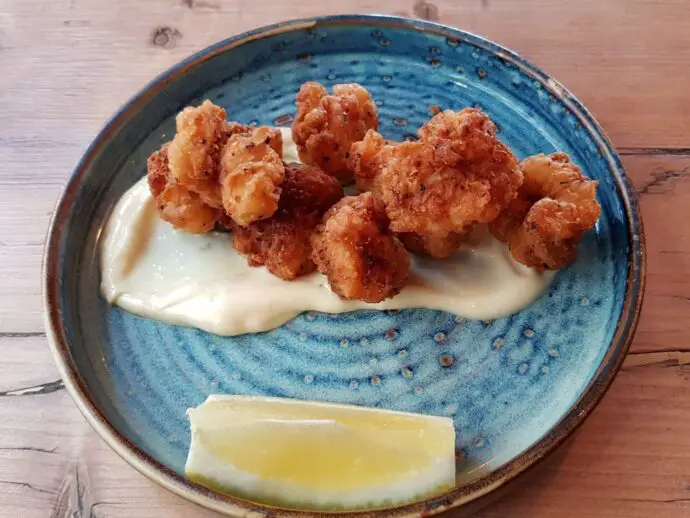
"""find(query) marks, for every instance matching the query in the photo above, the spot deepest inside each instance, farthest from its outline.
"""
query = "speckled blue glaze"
(505, 383)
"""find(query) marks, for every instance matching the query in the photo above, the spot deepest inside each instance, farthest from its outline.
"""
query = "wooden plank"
(27, 362)
(663, 184)
(80, 60)
(25, 211)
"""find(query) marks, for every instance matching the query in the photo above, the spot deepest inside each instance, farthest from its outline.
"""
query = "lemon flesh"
(310, 455)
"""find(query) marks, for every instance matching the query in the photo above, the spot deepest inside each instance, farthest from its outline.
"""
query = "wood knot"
(201, 4)
(165, 37)
(426, 10)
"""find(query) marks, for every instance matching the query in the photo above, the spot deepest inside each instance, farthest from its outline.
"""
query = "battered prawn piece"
(433, 246)
(274, 136)
(158, 170)
(194, 153)
(458, 174)
(355, 250)
(235, 128)
(251, 172)
(364, 159)
(555, 206)
(175, 203)
(326, 125)
(282, 242)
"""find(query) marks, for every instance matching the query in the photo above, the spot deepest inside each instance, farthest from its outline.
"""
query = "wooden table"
(66, 65)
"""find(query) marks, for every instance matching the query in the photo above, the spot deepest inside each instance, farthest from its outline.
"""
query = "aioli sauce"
(199, 280)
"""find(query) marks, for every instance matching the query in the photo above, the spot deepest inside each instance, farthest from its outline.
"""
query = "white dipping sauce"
(199, 280)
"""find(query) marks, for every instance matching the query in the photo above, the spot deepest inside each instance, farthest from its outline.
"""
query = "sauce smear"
(199, 280)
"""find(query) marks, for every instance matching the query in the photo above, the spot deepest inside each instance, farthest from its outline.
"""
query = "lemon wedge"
(310, 455)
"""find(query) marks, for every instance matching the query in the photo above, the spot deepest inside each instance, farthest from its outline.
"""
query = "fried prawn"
(251, 172)
(457, 174)
(555, 206)
(194, 152)
(365, 159)
(282, 242)
(175, 203)
(356, 251)
(326, 125)
(433, 246)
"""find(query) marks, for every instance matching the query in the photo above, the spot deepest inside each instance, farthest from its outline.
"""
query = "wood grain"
(56, 60)
(663, 186)
(66, 65)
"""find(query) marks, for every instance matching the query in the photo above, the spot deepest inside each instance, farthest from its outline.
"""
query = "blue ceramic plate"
(516, 387)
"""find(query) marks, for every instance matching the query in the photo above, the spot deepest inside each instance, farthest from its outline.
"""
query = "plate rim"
(591, 395)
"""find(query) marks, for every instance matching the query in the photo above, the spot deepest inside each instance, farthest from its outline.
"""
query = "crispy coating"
(251, 172)
(364, 159)
(273, 135)
(326, 125)
(158, 169)
(235, 128)
(194, 153)
(185, 210)
(456, 175)
(433, 246)
(555, 206)
(184, 175)
(356, 251)
(175, 203)
(282, 242)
